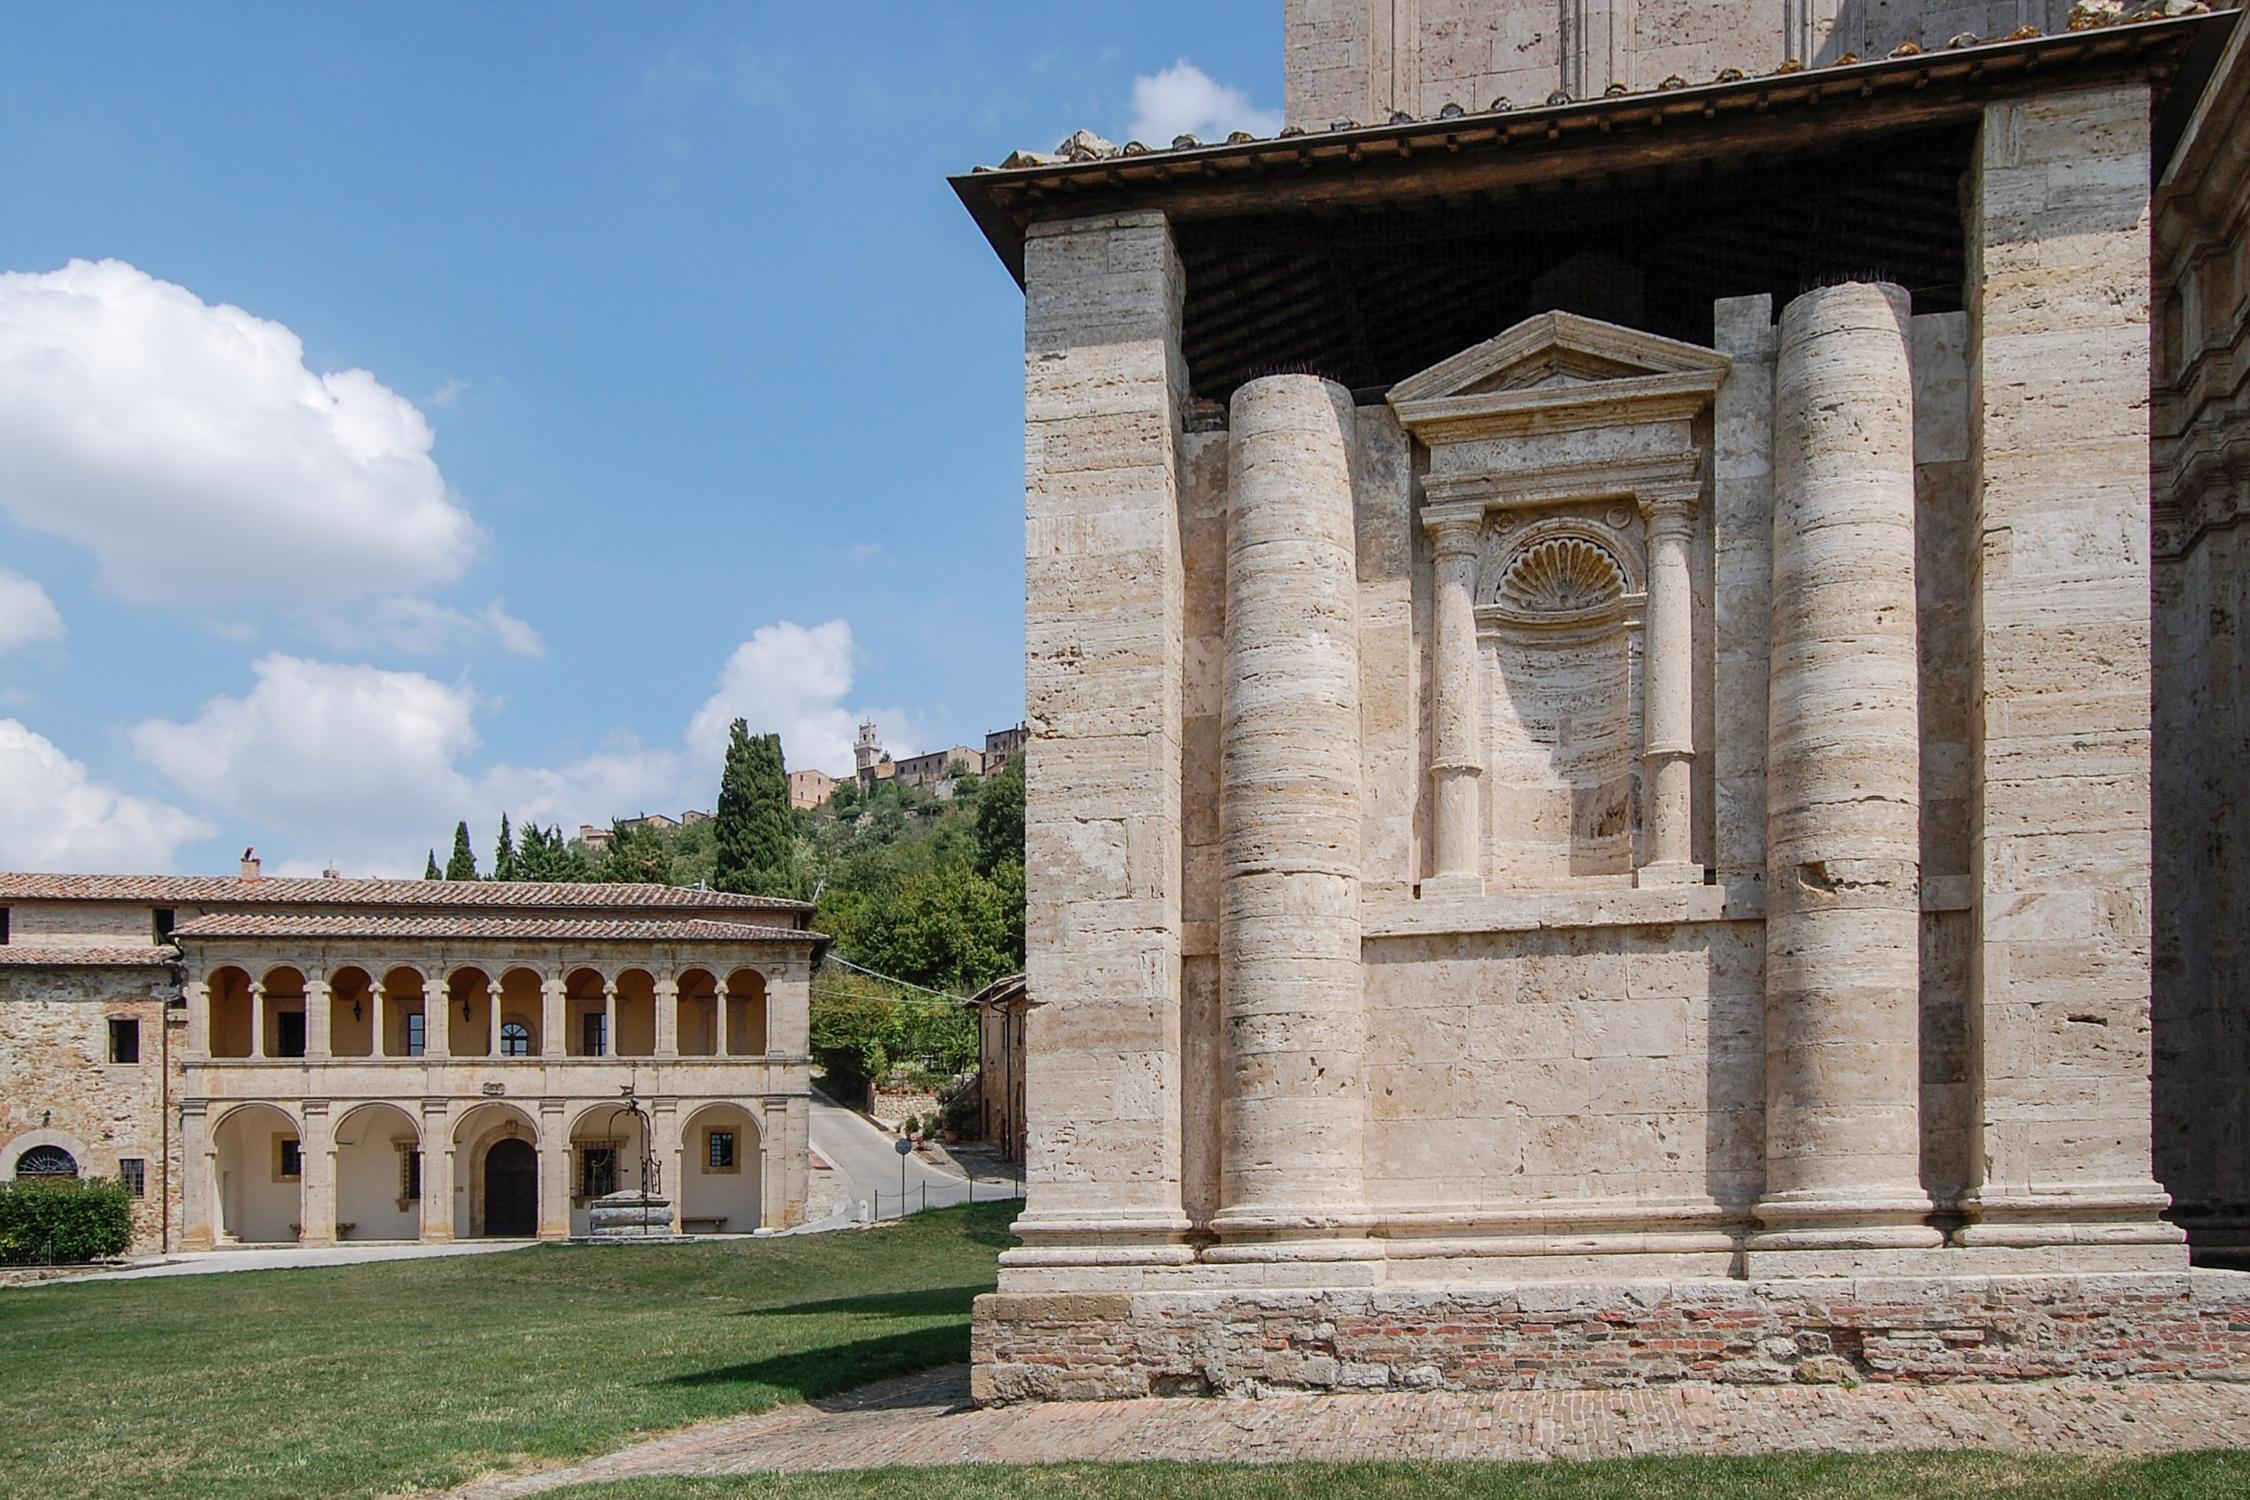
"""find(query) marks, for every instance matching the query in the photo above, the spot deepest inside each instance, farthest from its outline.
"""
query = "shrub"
(81, 1221)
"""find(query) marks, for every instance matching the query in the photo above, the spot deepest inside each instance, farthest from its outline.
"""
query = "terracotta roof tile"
(31, 955)
(310, 925)
(227, 890)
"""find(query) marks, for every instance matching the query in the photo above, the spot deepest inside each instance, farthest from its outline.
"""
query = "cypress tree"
(463, 864)
(732, 822)
(433, 873)
(774, 822)
(505, 865)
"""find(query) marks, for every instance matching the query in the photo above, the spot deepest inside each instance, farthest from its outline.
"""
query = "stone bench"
(718, 1222)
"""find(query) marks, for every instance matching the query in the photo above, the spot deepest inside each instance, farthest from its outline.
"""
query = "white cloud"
(451, 391)
(793, 680)
(188, 448)
(53, 816)
(367, 767)
(1185, 100)
(422, 627)
(26, 613)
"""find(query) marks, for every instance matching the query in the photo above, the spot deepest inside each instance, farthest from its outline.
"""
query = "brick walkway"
(927, 1419)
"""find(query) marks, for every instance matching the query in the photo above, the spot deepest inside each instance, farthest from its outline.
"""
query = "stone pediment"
(1557, 370)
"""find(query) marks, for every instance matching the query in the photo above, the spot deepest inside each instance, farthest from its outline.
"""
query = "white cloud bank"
(188, 448)
(26, 613)
(1185, 100)
(366, 767)
(55, 817)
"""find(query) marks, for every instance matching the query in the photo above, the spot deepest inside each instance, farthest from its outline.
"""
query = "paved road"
(867, 1160)
(286, 1258)
(927, 1419)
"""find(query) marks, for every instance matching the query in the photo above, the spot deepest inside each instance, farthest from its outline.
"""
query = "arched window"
(46, 1161)
(515, 1039)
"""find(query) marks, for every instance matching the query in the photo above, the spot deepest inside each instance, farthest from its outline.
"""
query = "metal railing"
(917, 1199)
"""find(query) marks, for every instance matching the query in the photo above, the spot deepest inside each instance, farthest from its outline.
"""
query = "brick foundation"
(2193, 1326)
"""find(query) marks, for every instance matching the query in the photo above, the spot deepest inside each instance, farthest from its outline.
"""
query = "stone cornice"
(1677, 396)
(1475, 492)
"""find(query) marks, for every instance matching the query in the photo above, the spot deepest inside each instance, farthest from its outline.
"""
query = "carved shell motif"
(1561, 575)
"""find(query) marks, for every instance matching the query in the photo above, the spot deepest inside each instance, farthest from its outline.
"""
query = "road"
(868, 1160)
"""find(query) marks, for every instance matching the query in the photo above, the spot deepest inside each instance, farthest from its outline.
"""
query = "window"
(124, 1039)
(166, 917)
(515, 1039)
(133, 1172)
(409, 1173)
(416, 1033)
(3, 925)
(718, 1150)
(597, 1170)
(289, 1159)
(289, 1033)
(46, 1161)
(592, 1035)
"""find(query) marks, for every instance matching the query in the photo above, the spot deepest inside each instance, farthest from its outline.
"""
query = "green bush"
(66, 1220)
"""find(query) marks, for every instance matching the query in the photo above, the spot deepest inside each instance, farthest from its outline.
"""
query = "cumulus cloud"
(26, 613)
(367, 766)
(54, 816)
(793, 679)
(193, 453)
(422, 627)
(1185, 100)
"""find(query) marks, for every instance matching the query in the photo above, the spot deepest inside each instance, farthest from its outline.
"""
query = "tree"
(734, 822)
(636, 856)
(775, 823)
(433, 873)
(463, 864)
(1000, 818)
(852, 1018)
(505, 865)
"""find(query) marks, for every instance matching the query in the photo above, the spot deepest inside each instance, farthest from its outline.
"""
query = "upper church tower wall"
(1365, 60)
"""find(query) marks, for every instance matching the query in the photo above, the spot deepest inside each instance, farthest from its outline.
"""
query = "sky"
(416, 412)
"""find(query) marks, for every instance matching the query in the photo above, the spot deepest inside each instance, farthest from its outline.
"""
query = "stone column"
(554, 1018)
(668, 1017)
(1293, 1020)
(554, 1172)
(198, 1020)
(1104, 678)
(257, 1018)
(437, 1173)
(1668, 685)
(437, 1016)
(316, 1189)
(1843, 830)
(664, 1149)
(1457, 748)
(319, 1018)
(2060, 842)
(378, 1005)
(609, 1019)
(198, 1163)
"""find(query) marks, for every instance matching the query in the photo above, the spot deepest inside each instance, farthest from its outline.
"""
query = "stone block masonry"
(1570, 1336)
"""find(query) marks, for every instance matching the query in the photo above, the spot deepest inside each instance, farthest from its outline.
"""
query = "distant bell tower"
(865, 753)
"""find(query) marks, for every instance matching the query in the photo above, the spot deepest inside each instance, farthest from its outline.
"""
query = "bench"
(718, 1222)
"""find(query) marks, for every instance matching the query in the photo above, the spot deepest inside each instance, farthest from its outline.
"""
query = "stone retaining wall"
(2193, 1326)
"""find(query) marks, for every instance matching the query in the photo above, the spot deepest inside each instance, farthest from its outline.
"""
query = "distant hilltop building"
(937, 772)
(810, 789)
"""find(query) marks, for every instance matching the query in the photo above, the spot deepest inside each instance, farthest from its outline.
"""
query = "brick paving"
(927, 1419)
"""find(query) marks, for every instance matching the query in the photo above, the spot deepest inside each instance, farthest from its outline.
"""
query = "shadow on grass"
(839, 1367)
(927, 1302)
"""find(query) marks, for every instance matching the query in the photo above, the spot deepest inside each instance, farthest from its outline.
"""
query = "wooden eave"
(1478, 152)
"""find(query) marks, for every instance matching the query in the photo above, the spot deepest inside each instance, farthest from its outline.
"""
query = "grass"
(371, 1379)
(1918, 1476)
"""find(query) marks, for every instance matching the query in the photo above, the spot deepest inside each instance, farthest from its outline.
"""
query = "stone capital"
(1669, 506)
(1455, 533)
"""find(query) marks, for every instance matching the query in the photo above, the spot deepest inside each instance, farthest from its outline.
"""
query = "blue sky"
(686, 389)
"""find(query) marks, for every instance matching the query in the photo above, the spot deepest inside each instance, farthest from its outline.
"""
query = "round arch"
(470, 1004)
(522, 1002)
(721, 1172)
(31, 1140)
(258, 1154)
(744, 994)
(378, 1174)
(496, 1151)
(226, 991)
(585, 1011)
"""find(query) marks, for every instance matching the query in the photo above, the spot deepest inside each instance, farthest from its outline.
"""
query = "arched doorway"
(260, 1165)
(722, 1171)
(511, 1190)
(378, 1175)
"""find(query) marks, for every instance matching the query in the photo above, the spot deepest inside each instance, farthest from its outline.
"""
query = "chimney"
(332, 873)
(250, 864)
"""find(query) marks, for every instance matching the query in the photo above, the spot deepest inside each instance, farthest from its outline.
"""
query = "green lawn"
(370, 1379)
(2191, 1476)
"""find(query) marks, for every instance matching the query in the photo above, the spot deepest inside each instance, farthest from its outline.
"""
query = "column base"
(1454, 887)
(1672, 872)
(2109, 1227)
(1816, 1233)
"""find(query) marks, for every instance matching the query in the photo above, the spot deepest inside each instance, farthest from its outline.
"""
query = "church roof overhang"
(1470, 152)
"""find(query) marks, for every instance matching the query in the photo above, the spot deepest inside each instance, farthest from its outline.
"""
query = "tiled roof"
(42, 954)
(224, 890)
(306, 925)
(2087, 15)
